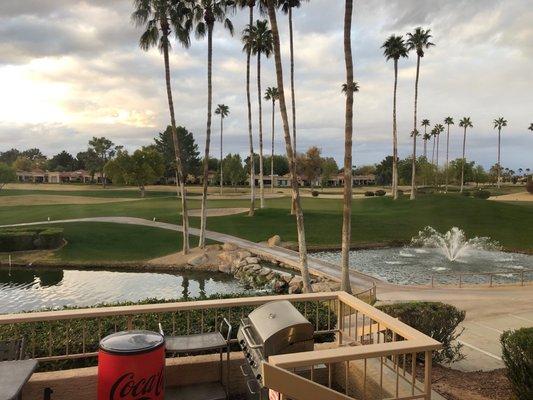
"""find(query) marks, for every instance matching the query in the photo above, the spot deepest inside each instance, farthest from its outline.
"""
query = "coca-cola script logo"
(145, 388)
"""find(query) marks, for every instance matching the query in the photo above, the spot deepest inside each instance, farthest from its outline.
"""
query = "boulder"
(265, 271)
(274, 241)
(225, 268)
(252, 260)
(197, 260)
(229, 246)
(325, 286)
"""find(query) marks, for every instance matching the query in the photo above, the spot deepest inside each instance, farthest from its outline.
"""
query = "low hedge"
(437, 320)
(482, 194)
(380, 192)
(23, 239)
(369, 193)
(42, 336)
(529, 185)
(517, 354)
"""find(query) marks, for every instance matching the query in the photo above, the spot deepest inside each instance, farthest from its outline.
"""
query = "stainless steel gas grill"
(271, 329)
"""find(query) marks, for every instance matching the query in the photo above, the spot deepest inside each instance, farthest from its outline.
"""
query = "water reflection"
(25, 289)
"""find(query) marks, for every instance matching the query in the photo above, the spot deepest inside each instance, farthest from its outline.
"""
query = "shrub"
(23, 239)
(437, 320)
(314, 193)
(482, 194)
(517, 354)
(466, 193)
(369, 193)
(529, 186)
(380, 192)
(400, 193)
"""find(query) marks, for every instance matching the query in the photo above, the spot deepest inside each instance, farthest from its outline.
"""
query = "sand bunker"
(523, 196)
(218, 212)
(35, 199)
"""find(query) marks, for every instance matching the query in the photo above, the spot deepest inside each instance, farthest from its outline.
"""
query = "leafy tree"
(104, 150)
(88, 160)
(8, 157)
(143, 167)
(329, 169)
(365, 170)
(62, 162)
(456, 170)
(190, 156)
(33, 154)
(312, 164)
(417, 41)
(23, 163)
(7, 174)
(234, 172)
(205, 14)
(499, 124)
(384, 171)
(223, 111)
(394, 48)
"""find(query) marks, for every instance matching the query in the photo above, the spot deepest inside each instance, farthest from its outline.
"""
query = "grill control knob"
(258, 377)
(252, 363)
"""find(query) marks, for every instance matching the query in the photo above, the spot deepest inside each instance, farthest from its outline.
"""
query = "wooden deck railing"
(372, 356)
(461, 278)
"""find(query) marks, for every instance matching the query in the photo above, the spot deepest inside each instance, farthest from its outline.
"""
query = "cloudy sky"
(72, 69)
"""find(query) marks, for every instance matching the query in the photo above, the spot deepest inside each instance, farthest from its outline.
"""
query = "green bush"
(380, 192)
(437, 320)
(314, 193)
(529, 185)
(517, 354)
(466, 193)
(369, 193)
(23, 239)
(400, 193)
(482, 194)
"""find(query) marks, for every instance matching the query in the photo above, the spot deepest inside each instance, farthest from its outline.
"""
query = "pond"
(28, 289)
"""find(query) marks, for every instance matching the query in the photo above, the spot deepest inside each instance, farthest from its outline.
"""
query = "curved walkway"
(489, 310)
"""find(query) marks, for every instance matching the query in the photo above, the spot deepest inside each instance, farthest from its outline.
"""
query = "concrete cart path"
(489, 311)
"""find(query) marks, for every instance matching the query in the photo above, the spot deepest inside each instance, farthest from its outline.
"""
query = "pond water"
(415, 265)
(26, 289)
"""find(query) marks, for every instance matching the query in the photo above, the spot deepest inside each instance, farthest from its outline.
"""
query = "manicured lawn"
(374, 220)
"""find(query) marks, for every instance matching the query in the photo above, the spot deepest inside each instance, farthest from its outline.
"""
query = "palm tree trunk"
(221, 154)
(177, 154)
(348, 133)
(499, 165)
(394, 137)
(203, 220)
(272, 152)
(437, 160)
(259, 98)
(463, 162)
(293, 97)
(433, 152)
(447, 158)
(302, 247)
(250, 135)
(413, 164)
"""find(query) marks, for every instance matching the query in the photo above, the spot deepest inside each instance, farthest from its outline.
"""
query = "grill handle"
(249, 384)
(250, 341)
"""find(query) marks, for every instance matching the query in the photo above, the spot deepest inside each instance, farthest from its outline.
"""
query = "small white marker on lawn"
(153, 219)
(48, 218)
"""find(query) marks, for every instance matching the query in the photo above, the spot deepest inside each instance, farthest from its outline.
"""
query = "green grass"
(373, 220)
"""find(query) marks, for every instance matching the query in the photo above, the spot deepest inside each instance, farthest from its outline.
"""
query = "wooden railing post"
(427, 375)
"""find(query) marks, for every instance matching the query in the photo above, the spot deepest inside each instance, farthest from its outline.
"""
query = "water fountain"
(453, 243)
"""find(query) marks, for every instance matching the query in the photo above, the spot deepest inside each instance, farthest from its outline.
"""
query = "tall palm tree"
(448, 121)
(272, 95)
(394, 48)
(434, 136)
(439, 128)
(348, 88)
(259, 38)
(418, 41)
(158, 18)
(223, 111)
(499, 123)
(425, 123)
(302, 245)
(205, 14)
(250, 4)
(464, 123)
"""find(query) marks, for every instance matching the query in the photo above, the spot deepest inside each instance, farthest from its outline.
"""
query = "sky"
(72, 69)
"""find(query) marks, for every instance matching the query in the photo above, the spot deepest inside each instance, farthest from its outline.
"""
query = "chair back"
(12, 350)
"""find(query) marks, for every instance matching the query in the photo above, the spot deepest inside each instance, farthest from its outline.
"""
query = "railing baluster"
(329, 375)
(427, 375)
(50, 339)
(364, 379)
(381, 378)
(83, 336)
(413, 372)
(347, 367)
(67, 338)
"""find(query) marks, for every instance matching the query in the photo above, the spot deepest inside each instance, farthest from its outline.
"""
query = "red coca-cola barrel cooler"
(131, 366)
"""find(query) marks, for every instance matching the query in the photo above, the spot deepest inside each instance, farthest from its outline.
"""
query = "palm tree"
(259, 38)
(439, 128)
(464, 123)
(425, 123)
(394, 49)
(499, 124)
(302, 246)
(250, 4)
(272, 94)
(159, 17)
(530, 127)
(223, 111)
(348, 88)
(418, 41)
(448, 121)
(205, 14)
(434, 136)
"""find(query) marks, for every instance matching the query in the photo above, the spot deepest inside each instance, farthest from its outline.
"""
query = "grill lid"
(278, 325)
